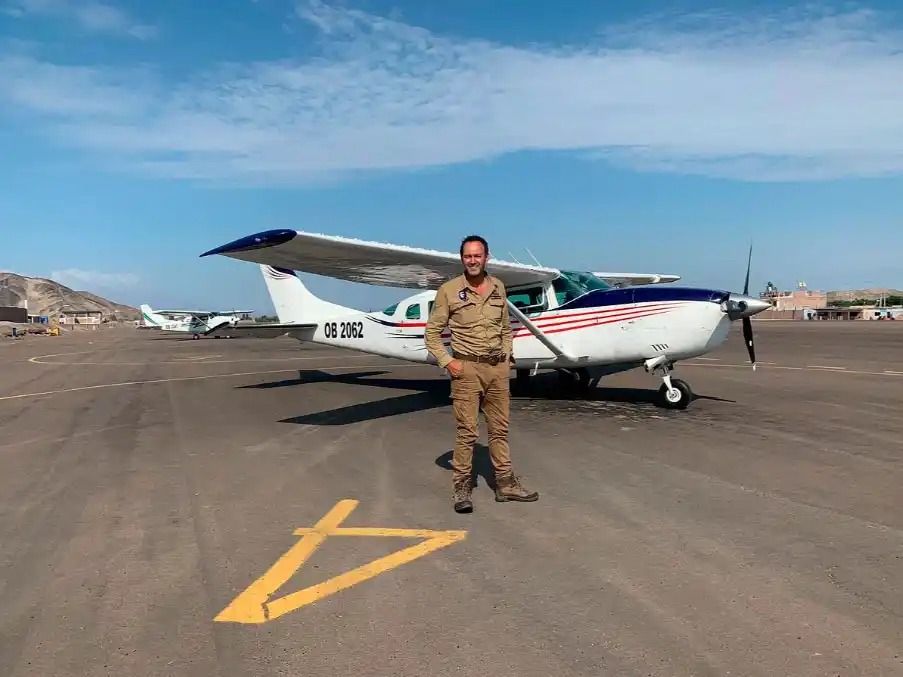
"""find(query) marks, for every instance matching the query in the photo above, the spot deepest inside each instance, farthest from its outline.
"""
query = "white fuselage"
(599, 327)
(619, 334)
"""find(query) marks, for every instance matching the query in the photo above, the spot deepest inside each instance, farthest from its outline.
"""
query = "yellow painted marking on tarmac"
(201, 378)
(254, 604)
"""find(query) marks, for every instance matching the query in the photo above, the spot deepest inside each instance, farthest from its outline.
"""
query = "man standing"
(473, 306)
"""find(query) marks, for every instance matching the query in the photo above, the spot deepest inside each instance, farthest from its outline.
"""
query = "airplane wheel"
(678, 399)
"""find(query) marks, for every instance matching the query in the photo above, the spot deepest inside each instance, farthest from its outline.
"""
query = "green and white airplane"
(195, 322)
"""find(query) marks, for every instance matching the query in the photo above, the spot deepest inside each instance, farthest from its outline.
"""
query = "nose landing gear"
(674, 393)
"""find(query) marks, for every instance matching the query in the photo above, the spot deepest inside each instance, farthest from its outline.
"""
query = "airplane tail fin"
(149, 317)
(293, 301)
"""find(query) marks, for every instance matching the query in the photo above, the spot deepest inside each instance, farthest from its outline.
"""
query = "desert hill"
(46, 297)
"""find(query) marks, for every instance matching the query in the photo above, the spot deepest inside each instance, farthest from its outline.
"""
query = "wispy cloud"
(91, 280)
(786, 97)
(96, 17)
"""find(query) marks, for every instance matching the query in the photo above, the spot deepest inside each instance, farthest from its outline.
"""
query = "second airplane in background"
(195, 322)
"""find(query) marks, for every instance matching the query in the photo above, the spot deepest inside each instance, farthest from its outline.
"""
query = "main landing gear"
(570, 381)
(577, 380)
(674, 393)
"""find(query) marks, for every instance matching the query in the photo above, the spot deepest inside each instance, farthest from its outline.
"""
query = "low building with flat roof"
(81, 317)
(15, 314)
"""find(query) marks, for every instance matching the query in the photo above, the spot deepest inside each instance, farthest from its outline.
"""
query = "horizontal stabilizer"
(302, 332)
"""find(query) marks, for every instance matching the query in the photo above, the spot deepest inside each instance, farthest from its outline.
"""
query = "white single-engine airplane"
(195, 322)
(569, 321)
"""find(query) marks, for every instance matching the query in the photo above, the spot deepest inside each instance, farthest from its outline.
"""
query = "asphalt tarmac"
(151, 489)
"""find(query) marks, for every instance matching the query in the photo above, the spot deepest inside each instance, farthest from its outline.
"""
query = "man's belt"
(484, 359)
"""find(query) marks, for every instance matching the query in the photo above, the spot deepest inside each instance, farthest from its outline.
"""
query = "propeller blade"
(750, 344)
(748, 264)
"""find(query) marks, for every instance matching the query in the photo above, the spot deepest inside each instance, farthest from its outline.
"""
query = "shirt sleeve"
(434, 325)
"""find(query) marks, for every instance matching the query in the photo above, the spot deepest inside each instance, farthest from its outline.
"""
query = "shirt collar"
(466, 285)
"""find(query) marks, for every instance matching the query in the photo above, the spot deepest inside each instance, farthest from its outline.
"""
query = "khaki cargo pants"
(486, 384)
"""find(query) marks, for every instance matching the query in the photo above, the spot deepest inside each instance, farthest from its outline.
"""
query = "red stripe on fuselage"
(592, 322)
(581, 324)
(563, 318)
(553, 318)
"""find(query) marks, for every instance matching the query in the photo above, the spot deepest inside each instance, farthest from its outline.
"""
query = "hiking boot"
(461, 497)
(510, 488)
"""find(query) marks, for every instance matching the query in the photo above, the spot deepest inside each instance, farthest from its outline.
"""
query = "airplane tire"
(685, 395)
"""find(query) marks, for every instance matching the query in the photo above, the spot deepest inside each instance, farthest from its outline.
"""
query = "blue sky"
(642, 136)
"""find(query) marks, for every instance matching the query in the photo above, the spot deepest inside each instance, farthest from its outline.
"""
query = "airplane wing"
(624, 279)
(367, 262)
(200, 314)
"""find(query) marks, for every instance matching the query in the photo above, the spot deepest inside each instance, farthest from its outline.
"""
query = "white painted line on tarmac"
(824, 366)
(52, 440)
(146, 363)
(834, 370)
(121, 384)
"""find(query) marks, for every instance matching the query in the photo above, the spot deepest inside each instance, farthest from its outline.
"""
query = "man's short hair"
(474, 238)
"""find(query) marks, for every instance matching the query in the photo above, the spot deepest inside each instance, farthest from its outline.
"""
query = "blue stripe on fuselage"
(600, 298)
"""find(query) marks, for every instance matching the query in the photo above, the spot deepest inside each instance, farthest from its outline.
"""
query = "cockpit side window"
(413, 312)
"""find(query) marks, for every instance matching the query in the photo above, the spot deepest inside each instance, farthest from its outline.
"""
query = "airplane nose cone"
(740, 305)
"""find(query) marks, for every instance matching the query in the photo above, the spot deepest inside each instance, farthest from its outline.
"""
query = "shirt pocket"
(495, 309)
(463, 314)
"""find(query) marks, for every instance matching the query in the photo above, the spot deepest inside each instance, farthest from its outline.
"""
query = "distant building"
(799, 299)
(802, 304)
(81, 317)
(16, 314)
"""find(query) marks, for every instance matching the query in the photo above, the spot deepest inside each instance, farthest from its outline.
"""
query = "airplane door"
(413, 323)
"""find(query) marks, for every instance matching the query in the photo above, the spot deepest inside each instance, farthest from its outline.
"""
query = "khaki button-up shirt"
(479, 324)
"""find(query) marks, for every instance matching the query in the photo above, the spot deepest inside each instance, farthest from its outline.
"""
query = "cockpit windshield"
(572, 284)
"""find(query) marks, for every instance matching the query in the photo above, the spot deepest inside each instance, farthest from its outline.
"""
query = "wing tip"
(261, 240)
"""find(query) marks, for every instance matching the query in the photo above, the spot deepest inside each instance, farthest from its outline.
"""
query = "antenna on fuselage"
(533, 257)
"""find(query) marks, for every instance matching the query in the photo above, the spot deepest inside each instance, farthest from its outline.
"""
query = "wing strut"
(537, 332)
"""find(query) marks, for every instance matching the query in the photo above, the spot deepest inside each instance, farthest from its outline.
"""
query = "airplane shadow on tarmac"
(434, 394)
